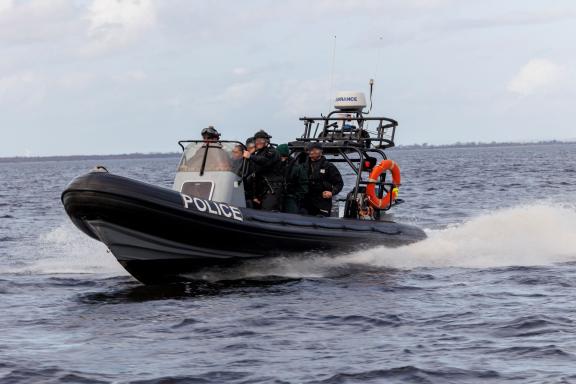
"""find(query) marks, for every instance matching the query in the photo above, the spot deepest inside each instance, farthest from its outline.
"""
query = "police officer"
(295, 181)
(267, 168)
(210, 134)
(325, 181)
(210, 156)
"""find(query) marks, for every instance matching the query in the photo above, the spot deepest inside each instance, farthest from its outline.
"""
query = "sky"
(123, 76)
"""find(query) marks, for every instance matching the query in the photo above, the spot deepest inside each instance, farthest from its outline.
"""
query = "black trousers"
(271, 202)
(291, 205)
(318, 206)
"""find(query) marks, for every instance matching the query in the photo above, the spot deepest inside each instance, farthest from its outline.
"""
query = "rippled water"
(488, 297)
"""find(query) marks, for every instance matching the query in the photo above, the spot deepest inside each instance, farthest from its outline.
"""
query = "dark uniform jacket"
(267, 169)
(295, 179)
(322, 176)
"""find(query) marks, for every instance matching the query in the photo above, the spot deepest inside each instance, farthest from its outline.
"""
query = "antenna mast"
(331, 91)
(377, 70)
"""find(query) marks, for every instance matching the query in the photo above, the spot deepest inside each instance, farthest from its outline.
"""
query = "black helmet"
(261, 134)
(210, 133)
(249, 141)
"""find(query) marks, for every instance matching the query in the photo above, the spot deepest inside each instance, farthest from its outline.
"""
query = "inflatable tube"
(159, 234)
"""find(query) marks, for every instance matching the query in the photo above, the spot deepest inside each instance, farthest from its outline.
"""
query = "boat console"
(211, 170)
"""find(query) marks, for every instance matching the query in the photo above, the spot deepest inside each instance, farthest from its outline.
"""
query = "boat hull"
(160, 235)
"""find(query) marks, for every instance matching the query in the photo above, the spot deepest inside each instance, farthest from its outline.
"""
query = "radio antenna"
(332, 76)
(378, 58)
(371, 82)
(377, 69)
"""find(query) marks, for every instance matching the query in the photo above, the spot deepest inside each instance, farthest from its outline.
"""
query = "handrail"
(208, 141)
(327, 118)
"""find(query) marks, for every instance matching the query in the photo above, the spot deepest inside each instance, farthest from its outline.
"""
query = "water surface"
(489, 297)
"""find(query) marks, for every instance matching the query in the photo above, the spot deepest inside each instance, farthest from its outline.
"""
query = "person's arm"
(266, 159)
(335, 179)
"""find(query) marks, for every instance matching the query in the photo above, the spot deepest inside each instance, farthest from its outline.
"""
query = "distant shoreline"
(483, 145)
(25, 159)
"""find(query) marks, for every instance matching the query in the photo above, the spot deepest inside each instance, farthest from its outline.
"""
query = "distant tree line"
(474, 144)
(89, 157)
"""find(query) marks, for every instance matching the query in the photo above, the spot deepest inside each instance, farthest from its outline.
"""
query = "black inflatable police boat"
(160, 235)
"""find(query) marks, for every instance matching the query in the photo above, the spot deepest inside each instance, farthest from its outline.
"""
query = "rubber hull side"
(156, 238)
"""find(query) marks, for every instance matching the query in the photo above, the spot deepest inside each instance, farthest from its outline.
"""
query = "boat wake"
(66, 250)
(520, 236)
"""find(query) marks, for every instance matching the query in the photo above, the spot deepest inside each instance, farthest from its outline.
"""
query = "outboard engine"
(211, 170)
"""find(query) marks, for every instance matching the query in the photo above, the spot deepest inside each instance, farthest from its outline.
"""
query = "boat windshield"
(214, 156)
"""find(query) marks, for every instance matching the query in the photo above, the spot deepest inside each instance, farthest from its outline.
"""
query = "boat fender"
(392, 195)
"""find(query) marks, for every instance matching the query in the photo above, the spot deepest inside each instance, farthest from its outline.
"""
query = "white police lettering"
(187, 200)
(236, 214)
(212, 207)
(226, 211)
(200, 204)
(218, 209)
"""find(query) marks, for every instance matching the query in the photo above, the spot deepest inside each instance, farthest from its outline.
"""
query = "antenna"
(376, 70)
(332, 76)
(371, 91)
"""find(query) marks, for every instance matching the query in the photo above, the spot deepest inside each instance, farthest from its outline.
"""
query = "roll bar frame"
(340, 143)
(330, 132)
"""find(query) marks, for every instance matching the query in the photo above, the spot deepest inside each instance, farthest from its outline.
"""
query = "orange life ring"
(385, 165)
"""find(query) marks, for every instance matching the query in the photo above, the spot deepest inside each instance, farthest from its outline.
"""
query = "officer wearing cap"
(268, 175)
(324, 182)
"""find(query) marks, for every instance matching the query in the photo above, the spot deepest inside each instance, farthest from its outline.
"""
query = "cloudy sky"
(116, 76)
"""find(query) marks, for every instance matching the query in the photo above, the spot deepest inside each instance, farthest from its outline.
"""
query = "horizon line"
(135, 155)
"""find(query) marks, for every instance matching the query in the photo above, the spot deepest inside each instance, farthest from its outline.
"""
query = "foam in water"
(66, 250)
(520, 236)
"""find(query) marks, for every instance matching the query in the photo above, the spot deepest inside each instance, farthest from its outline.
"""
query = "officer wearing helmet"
(210, 134)
(268, 174)
(324, 182)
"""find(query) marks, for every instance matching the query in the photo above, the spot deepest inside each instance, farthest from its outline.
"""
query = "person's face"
(251, 148)
(315, 154)
(237, 152)
(261, 143)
